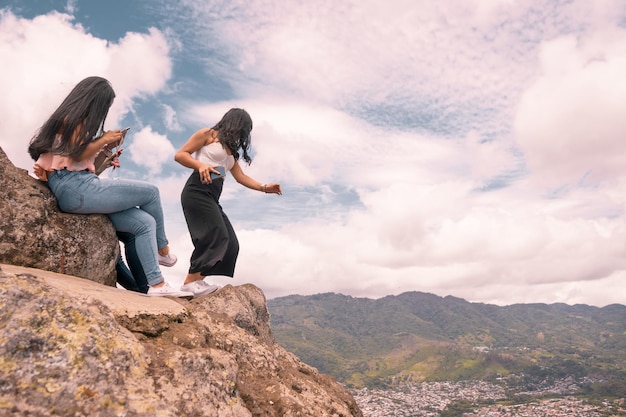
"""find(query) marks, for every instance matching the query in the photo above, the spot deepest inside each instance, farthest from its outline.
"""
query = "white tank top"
(214, 154)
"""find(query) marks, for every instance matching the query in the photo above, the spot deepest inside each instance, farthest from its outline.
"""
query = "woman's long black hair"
(80, 116)
(234, 131)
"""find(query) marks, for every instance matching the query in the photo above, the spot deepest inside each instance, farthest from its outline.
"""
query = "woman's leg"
(142, 226)
(132, 206)
(215, 245)
(84, 193)
(134, 264)
(209, 237)
(209, 234)
(123, 194)
(226, 266)
(124, 276)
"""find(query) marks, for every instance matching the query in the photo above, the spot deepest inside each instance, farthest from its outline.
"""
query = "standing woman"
(214, 240)
(65, 148)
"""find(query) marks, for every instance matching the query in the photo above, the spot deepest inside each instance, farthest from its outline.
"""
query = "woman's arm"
(184, 156)
(110, 136)
(106, 159)
(253, 184)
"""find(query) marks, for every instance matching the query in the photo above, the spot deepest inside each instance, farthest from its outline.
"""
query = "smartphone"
(123, 136)
(222, 173)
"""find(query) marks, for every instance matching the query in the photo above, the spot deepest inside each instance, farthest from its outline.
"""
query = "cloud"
(171, 118)
(150, 150)
(441, 239)
(570, 124)
(138, 66)
(50, 54)
(421, 217)
(466, 149)
(441, 66)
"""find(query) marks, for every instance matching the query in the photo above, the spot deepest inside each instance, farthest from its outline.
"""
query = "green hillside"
(416, 336)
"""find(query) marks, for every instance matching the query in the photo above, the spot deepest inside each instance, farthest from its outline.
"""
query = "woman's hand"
(41, 173)
(273, 189)
(115, 162)
(205, 173)
(109, 140)
(113, 138)
(106, 159)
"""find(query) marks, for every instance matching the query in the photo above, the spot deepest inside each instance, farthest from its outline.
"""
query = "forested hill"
(416, 336)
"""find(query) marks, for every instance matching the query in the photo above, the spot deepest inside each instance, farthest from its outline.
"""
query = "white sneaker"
(168, 260)
(199, 288)
(166, 291)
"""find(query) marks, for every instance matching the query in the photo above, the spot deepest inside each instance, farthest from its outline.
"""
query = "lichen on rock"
(72, 347)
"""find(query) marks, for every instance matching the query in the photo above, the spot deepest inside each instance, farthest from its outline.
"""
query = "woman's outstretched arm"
(253, 184)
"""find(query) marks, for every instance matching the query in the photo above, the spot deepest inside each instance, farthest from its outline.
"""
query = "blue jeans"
(130, 276)
(132, 206)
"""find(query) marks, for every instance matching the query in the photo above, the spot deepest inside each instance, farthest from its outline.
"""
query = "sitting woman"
(65, 148)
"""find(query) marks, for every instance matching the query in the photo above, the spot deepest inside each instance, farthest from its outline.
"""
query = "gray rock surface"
(72, 347)
(34, 233)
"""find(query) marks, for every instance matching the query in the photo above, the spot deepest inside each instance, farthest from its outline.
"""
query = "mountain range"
(417, 336)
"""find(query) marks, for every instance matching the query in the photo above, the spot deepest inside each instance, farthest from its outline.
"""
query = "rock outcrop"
(72, 347)
(34, 233)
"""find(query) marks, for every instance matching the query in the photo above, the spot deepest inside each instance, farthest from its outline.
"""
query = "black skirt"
(215, 244)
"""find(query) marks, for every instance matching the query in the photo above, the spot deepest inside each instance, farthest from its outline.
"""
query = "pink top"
(52, 162)
(48, 162)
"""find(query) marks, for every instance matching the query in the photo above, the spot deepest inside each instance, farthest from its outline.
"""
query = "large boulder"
(70, 347)
(34, 233)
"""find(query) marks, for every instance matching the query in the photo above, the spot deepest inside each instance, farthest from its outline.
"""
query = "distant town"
(483, 399)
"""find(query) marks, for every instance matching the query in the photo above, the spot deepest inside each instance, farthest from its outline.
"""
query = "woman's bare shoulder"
(210, 135)
(203, 136)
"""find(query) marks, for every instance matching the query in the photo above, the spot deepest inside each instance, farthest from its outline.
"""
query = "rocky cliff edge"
(73, 347)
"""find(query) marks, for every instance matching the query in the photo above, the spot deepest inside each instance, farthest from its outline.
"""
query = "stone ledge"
(120, 301)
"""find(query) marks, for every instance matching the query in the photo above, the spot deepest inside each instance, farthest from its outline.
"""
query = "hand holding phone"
(222, 172)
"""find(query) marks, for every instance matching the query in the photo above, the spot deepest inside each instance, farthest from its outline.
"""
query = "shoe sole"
(206, 293)
(184, 297)
(202, 294)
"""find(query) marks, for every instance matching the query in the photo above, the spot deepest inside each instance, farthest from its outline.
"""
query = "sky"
(472, 148)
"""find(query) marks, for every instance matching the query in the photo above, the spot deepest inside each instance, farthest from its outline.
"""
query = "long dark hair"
(234, 131)
(78, 119)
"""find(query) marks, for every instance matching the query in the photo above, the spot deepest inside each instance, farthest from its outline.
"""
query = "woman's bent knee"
(134, 220)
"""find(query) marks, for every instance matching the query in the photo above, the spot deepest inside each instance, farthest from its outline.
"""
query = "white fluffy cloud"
(570, 122)
(497, 213)
(150, 150)
(423, 222)
(472, 150)
(46, 56)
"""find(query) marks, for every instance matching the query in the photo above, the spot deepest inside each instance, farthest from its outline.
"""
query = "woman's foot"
(199, 288)
(166, 258)
(165, 290)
